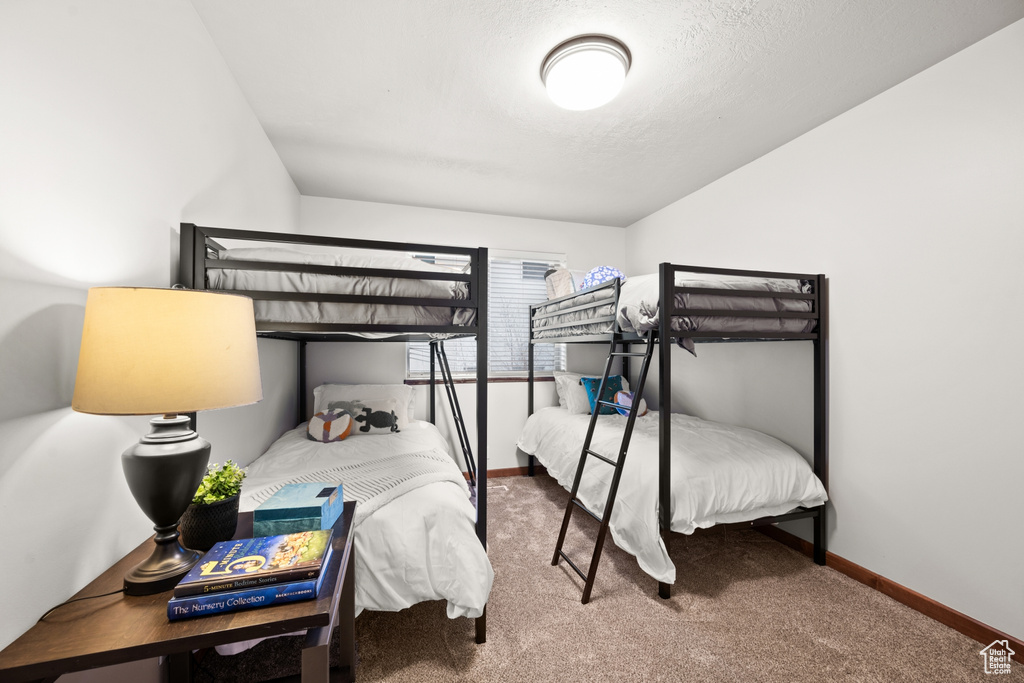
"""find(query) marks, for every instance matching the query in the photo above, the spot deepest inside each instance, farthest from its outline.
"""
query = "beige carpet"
(745, 608)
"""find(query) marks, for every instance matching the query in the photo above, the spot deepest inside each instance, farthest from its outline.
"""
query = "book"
(257, 562)
(233, 601)
(299, 507)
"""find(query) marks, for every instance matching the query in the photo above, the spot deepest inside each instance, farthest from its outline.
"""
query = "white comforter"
(720, 474)
(420, 546)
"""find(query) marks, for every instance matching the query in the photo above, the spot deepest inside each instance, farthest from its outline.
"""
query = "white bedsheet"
(420, 546)
(720, 474)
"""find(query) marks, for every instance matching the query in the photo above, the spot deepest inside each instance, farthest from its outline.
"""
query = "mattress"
(638, 308)
(720, 474)
(420, 546)
(349, 313)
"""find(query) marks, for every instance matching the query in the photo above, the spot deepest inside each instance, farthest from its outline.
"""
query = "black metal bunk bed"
(199, 248)
(604, 307)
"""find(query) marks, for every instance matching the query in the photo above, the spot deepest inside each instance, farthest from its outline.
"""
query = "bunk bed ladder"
(453, 401)
(617, 463)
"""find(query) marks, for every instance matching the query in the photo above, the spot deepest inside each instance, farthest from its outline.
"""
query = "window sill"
(423, 381)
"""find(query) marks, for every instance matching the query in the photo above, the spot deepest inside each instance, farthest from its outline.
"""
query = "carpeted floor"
(745, 608)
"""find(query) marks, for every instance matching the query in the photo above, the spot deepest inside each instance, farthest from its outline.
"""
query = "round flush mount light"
(585, 72)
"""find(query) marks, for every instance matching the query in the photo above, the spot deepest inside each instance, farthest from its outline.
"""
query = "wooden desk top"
(120, 628)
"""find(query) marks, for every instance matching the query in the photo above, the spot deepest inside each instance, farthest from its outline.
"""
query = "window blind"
(514, 282)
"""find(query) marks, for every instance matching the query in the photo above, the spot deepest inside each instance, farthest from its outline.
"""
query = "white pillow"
(569, 390)
(572, 394)
(325, 394)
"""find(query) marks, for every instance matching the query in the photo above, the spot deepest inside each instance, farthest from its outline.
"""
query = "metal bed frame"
(198, 244)
(664, 335)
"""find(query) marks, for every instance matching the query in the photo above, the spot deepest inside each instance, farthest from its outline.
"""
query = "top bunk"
(708, 305)
(315, 288)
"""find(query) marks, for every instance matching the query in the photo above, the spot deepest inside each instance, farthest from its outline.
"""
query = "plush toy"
(625, 398)
(377, 420)
(329, 426)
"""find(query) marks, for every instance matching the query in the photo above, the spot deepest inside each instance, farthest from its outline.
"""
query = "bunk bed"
(681, 472)
(322, 289)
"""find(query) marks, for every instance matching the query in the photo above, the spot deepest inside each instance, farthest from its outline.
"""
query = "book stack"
(253, 572)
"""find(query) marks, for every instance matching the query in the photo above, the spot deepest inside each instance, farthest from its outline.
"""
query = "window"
(515, 280)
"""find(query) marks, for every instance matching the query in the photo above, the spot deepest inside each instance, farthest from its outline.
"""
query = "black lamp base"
(163, 569)
(163, 472)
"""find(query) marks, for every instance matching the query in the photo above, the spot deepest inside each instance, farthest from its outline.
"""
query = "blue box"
(299, 507)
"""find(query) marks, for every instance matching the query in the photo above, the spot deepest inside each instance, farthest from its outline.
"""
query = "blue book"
(233, 601)
(257, 562)
(299, 507)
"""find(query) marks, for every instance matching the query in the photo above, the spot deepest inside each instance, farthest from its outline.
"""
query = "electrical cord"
(85, 597)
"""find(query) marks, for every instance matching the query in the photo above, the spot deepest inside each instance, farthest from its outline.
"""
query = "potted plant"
(213, 514)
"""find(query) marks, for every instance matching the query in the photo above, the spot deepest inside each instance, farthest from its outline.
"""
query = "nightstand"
(119, 628)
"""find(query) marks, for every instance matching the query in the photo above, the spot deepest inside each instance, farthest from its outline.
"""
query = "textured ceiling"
(440, 104)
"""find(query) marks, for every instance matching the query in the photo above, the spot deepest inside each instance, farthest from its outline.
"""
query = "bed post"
(191, 256)
(622, 344)
(529, 378)
(530, 460)
(433, 377)
(198, 257)
(186, 278)
(624, 369)
(303, 416)
(480, 268)
(666, 279)
(186, 248)
(481, 394)
(821, 415)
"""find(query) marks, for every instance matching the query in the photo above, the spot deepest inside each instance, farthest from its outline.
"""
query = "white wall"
(912, 204)
(119, 120)
(585, 245)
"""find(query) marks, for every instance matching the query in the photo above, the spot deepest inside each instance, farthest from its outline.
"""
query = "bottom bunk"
(720, 474)
(414, 529)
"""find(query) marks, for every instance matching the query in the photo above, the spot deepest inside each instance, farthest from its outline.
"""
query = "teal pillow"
(611, 387)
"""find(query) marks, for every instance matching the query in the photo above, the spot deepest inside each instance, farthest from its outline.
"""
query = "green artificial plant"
(219, 483)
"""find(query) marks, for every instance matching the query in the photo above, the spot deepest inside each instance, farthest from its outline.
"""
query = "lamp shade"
(166, 351)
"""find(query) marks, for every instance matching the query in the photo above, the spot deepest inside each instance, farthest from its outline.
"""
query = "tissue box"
(299, 507)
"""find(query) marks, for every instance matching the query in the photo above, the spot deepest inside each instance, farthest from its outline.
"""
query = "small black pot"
(204, 525)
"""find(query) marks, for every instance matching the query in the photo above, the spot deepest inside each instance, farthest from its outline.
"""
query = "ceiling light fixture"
(585, 72)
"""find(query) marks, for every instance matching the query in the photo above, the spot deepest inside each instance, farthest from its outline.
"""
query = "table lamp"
(165, 352)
